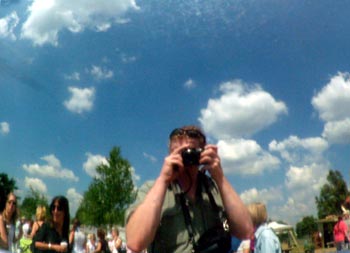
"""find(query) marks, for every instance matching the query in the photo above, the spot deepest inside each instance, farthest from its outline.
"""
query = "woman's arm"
(71, 237)
(118, 243)
(3, 234)
(98, 247)
(34, 229)
(49, 246)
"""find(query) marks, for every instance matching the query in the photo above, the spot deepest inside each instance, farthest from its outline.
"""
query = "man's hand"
(172, 165)
(211, 161)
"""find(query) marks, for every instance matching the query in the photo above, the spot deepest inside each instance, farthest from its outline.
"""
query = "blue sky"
(267, 80)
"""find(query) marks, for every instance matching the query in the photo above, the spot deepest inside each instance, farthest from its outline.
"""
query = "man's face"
(183, 141)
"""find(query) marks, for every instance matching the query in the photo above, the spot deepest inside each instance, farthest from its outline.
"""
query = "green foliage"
(306, 227)
(30, 203)
(332, 195)
(7, 185)
(109, 194)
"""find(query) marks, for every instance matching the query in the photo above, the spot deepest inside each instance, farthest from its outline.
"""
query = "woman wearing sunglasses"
(8, 219)
(52, 236)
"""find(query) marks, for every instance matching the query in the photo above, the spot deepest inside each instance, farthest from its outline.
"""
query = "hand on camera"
(173, 165)
(211, 162)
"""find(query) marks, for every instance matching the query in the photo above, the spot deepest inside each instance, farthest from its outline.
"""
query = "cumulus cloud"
(333, 101)
(306, 173)
(4, 128)
(8, 24)
(292, 210)
(47, 18)
(299, 151)
(240, 111)
(190, 84)
(245, 157)
(36, 184)
(100, 73)
(52, 168)
(92, 162)
(303, 184)
(82, 99)
(332, 104)
(264, 195)
(74, 199)
(337, 131)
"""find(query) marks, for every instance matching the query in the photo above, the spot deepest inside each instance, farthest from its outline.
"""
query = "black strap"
(222, 215)
(184, 206)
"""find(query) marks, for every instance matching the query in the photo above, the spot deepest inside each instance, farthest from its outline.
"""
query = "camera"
(191, 156)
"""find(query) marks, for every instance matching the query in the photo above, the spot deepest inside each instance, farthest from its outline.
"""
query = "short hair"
(40, 213)
(191, 131)
(258, 213)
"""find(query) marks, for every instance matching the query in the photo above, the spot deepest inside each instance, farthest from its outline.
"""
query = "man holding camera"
(183, 204)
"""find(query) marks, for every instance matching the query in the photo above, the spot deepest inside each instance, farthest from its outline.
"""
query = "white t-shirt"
(245, 244)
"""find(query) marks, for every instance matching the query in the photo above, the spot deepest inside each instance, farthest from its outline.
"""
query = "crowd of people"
(52, 232)
(190, 207)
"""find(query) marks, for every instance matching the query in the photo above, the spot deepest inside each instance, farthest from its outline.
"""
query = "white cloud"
(52, 168)
(190, 84)
(310, 177)
(47, 18)
(74, 76)
(4, 128)
(128, 59)
(82, 100)
(240, 111)
(92, 162)
(333, 101)
(303, 184)
(299, 151)
(293, 210)
(36, 184)
(245, 157)
(135, 177)
(7, 26)
(337, 131)
(332, 104)
(152, 158)
(264, 195)
(74, 199)
(100, 73)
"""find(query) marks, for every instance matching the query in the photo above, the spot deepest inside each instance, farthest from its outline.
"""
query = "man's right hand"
(173, 165)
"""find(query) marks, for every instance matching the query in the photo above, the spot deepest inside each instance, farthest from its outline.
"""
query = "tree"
(306, 227)
(7, 185)
(332, 195)
(31, 201)
(109, 194)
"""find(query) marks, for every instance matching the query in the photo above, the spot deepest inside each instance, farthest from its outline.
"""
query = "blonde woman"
(266, 240)
(40, 216)
(91, 243)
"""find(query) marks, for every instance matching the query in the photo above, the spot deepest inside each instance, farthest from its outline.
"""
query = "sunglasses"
(191, 133)
(57, 207)
(12, 202)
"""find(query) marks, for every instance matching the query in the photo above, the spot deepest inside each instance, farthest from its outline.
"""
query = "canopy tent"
(287, 231)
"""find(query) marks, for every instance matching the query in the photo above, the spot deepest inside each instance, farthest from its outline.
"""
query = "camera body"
(191, 156)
